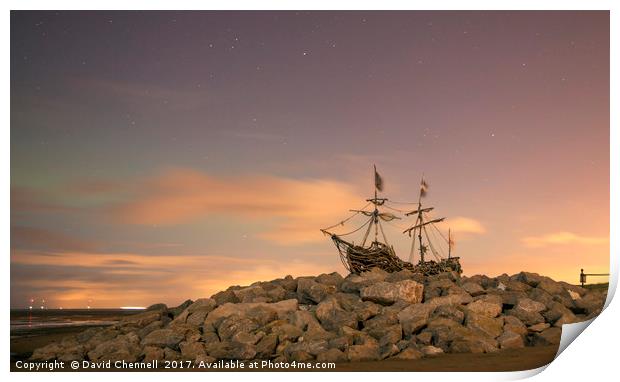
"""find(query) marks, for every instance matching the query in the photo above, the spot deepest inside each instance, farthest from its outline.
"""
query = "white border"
(591, 357)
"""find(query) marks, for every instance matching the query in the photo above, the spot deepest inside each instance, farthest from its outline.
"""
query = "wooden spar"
(422, 210)
(359, 258)
(423, 224)
(367, 213)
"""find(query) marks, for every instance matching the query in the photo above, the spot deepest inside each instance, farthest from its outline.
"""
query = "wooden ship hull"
(379, 254)
(357, 259)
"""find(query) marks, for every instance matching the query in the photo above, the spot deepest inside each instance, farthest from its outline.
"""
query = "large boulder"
(549, 336)
(266, 347)
(488, 305)
(234, 324)
(332, 355)
(528, 311)
(452, 312)
(510, 340)
(284, 331)
(444, 331)
(365, 352)
(226, 296)
(141, 319)
(333, 317)
(481, 323)
(47, 353)
(400, 276)
(312, 347)
(431, 351)
(529, 305)
(513, 324)
(282, 309)
(558, 315)
(163, 338)
(409, 353)
(253, 293)
(192, 350)
(473, 289)
(529, 278)
(388, 293)
(333, 279)
(311, 292)
(414, 318)
(122, 348)
(473, 344)
(451, 299)
(354, 283)
(232, 350)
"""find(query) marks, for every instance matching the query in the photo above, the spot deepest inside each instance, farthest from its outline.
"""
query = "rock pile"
(328, 318)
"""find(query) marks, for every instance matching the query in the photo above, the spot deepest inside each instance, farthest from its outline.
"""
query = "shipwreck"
(370, 253)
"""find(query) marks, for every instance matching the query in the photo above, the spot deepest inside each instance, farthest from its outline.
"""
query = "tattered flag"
(378, 181)
(423, 188)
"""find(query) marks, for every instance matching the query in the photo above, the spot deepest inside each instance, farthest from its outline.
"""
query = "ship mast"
(376, 201)
(420, 223)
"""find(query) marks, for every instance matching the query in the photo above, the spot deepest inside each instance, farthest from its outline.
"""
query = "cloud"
(26, 200)
(72, 279)
(463, 225)
(563, 238)
(291, 210)
(37, 238)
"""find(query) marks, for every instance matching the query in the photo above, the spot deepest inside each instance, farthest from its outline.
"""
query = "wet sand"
(505, 360)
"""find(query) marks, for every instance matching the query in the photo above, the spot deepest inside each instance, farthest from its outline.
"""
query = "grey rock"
(549, 336)
(388, 293)
(513, 324)
(414, 318)
(366, 352)
(431, 351)
(409, 354)
(266, 347)
(510, 340)
(538, 327)
(332, 316)
(192, 350)
(163, 338)
(473, 289)
(449, 311)
(491, 327)
(332, 355)
(311, 292)
(232, 350)
(333, 279)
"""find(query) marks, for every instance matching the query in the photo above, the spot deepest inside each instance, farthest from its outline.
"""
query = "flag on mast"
(423, 188)
(378, 180)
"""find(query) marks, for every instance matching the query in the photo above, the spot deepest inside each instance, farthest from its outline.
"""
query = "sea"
(29, 322)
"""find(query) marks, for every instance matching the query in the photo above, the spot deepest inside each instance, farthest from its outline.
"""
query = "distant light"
(133, 307)
(30, 307)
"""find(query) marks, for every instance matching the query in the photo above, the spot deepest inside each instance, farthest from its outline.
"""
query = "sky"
(159, 156)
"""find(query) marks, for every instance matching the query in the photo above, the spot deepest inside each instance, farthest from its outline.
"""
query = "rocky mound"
(329, 318)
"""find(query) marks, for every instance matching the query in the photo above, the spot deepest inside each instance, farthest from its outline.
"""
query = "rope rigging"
(377, 252)
(347, 219)
(357, 229)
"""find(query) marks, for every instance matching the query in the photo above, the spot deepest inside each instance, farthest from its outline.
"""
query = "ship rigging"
(361, 257)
